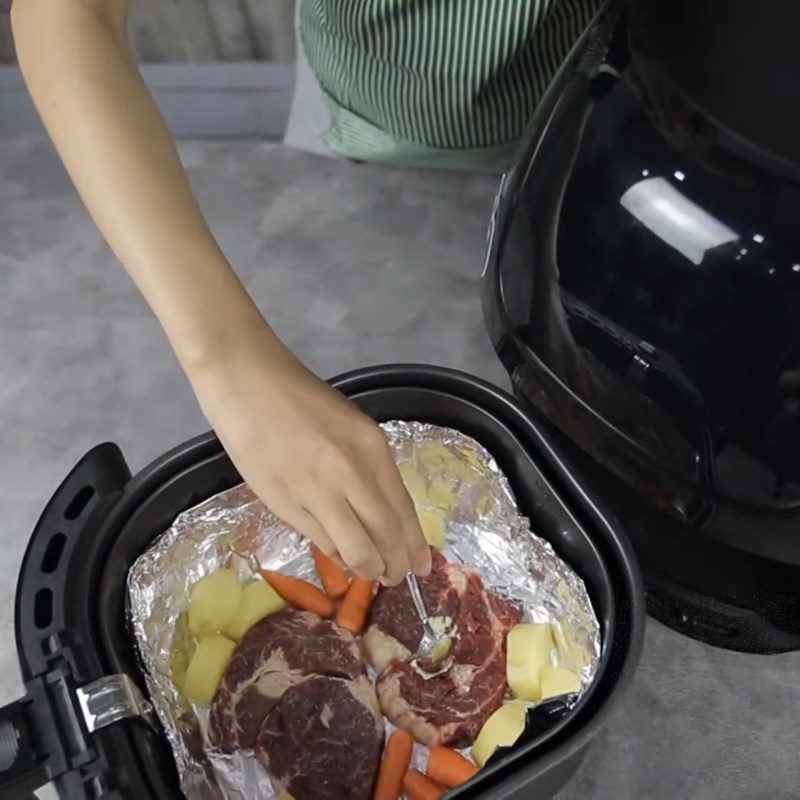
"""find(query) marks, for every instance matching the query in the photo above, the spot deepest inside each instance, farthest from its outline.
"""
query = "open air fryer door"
(85, 722)
(642, 288)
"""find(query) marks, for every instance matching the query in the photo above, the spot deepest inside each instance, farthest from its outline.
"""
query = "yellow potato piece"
(441, 495)
(206, 668)
(179, 668)
(415, 485)
(214, 601)
(435, 455)
(571, 655)
(485, 505)
(528, 652)
(464, 471)
(503, 728)
(557, 681)
(407, 469)
(432, 522)
(470, 457)
(183, 647)
(259, 600)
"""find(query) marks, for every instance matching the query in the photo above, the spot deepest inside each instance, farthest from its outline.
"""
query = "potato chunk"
(570, 654)
(557, 681)
(503, 728)
(433, 524)
(206, 668)
(259, 600)
(414, 484)
(214, 601)
(441, 495)
(183, 646)
(436, 456)
(529, 647)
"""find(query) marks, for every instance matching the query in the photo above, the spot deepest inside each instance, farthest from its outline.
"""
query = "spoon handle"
(416, 596)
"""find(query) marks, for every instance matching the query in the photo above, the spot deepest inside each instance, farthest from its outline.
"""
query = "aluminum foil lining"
(484, 530)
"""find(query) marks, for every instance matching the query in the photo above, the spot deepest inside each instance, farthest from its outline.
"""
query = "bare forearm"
(312, 457)
(115, 145)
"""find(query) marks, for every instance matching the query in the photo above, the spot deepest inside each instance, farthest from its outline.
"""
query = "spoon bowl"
(434, 654)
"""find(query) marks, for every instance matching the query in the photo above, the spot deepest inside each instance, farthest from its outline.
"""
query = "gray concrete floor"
(353, 265)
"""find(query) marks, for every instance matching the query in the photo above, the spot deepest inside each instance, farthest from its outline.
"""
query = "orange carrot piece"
(299, 593)
(353, 611)
(334, 578)
(396, 759)
(449, 768)
(418, 787)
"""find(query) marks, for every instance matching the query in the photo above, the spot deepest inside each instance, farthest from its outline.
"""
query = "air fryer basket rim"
(380, 379)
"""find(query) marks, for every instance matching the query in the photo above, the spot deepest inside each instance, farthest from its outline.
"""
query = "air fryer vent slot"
(43, 609)
(79, 502)
(52, 555)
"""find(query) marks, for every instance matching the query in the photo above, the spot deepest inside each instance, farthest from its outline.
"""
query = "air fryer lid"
(71, 597)
(642, 287)
(650, 285)
(736, 61)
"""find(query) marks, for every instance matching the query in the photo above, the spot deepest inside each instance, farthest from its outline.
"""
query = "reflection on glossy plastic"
(675, 219)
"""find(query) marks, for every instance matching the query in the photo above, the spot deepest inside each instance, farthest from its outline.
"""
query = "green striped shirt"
(448, 83)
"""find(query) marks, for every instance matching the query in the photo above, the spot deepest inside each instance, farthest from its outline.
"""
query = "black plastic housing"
(642, 288)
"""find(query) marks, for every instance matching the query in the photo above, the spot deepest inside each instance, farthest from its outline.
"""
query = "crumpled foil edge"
(485, 531)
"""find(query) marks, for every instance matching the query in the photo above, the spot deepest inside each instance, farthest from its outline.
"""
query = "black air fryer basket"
(84, 722)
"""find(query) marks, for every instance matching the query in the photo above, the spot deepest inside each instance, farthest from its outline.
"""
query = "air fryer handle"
(41, 736)
(23, 768)
(76, 509)
(101, 473)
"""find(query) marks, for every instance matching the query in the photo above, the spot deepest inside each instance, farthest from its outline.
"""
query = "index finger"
(393, 488)
(347, 532)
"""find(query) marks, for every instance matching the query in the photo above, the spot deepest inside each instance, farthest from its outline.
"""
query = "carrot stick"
(299, 593)
(449, 768)
(396, 758)
(353, 612)
(418, 787)
(333, 577)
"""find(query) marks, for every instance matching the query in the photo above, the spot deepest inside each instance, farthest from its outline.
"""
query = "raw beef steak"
(295, 663)
(323, 739)
(449, 709)
(273, 655)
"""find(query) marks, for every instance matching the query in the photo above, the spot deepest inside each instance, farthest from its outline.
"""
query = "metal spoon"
(435, 652)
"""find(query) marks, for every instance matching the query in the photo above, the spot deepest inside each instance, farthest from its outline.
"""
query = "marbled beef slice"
(323, 739)
(449, 709)
(273, 655)
(296, 692)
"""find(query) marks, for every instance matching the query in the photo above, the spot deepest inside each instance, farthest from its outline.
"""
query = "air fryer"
(642, 288)
(85, 723)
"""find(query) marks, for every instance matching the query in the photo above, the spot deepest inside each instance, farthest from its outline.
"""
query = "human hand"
(314, 459)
